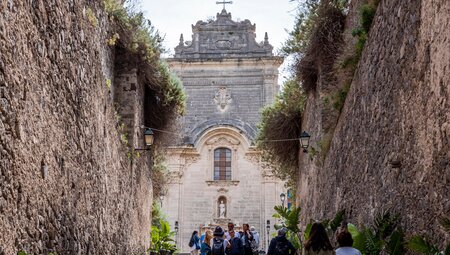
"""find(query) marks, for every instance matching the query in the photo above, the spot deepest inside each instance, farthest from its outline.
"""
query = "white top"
(347, 251)
(228, 237)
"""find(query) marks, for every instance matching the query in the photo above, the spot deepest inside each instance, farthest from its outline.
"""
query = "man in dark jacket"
(236, 248)
(247, 238)
(280, 245)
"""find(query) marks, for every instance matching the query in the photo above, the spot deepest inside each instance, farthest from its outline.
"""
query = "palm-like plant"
(421, 245)
(385, 235)
(162, 238)
(290, 218)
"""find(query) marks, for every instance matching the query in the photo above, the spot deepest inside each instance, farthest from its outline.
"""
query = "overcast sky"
(173, 17)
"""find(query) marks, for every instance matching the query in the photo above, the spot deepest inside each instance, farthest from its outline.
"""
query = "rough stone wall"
(66, 183)
(391, 146)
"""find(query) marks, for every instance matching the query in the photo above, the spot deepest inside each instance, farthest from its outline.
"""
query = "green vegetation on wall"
(137, 41)
(279, 129)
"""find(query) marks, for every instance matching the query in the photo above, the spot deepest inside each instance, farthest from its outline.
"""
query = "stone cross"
(224, 2)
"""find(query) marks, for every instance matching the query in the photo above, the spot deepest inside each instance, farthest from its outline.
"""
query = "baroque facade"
(216, 174)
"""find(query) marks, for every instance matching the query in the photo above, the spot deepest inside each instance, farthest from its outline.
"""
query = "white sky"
(173, 17)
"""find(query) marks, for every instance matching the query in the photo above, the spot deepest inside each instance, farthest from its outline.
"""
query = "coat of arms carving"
(222, 98)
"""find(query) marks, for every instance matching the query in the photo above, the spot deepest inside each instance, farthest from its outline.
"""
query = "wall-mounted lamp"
(176, 226)
(149, 138)
(304, 141)
(282, 198)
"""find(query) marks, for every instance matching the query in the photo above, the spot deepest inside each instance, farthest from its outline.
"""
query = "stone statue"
(222, 210)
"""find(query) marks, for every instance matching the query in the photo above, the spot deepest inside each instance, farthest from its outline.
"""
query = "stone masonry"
(66, 183)
(391, 146)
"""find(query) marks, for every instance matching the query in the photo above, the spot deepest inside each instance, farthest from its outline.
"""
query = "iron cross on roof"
(224, 3)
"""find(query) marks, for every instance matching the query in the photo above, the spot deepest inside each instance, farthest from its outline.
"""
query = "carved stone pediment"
(223, 141)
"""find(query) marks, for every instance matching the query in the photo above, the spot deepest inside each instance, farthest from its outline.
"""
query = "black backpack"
(191, 242)
(282, 248)
(217, 247)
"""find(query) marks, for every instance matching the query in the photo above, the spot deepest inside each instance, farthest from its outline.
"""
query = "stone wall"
(248, 85)
(391, 145)
(66, 183)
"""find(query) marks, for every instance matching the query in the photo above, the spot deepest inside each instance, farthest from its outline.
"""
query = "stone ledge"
(222, 183)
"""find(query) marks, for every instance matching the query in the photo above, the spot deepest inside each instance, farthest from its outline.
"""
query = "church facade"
(216, 174)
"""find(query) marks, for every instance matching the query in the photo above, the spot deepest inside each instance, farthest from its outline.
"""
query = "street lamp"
(304, 141)
(268, 237)
(149, 138)
(282, 198)
(176, 232)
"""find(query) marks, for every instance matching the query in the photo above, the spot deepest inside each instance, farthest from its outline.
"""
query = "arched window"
(222, 164)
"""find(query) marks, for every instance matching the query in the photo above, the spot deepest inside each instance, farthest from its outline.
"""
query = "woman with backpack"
(219, 243)
(318, 242)
(194, 243)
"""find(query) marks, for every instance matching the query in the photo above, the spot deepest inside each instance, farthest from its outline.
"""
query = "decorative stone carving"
(222, 183)
(222, 99)
(222, 190)
(223, 44)
(223, 141)
(221, 36)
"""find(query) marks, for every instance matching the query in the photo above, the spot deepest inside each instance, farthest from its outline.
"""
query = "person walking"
(219, 243)
(247, 238)
(206, 244)
(345, 242)
(255, 245)
(194, 243)
(279, 245)
(318, 242)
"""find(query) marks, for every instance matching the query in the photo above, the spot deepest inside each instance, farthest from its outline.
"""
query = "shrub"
(159, 171)
(324, 42)
(367, 13)
(339, 97)
(279, 129)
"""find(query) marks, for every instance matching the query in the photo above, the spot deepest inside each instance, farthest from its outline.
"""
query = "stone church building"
(215, 171)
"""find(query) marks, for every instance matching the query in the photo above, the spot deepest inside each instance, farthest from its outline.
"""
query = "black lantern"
(176, 226)
(268, 225)
(148, 137)
(282, 198)
(304, 141)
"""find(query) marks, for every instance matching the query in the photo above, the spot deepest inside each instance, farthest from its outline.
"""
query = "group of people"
(246, 242)
(231, 242)
(318, 243)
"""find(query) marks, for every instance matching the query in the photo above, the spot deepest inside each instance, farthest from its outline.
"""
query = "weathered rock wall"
(391, 146)
(66, 183)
